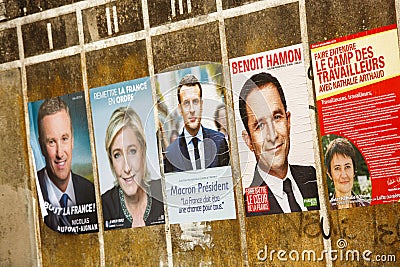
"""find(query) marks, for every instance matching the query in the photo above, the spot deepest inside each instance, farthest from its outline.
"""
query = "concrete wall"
(150, 39)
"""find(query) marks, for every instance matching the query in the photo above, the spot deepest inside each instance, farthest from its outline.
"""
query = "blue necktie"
(63, 203)
(195, 142)
(64, 200)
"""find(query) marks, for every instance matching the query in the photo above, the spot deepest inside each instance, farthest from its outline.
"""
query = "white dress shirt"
(55, 193)
(190, 146)
(275, 184)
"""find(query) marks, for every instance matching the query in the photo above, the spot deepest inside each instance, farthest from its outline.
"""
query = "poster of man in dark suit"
(68, 198)
(197, 147)
(276, 153)
(198, 177)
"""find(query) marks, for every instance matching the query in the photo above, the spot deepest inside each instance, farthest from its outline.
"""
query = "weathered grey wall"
(151, 40)
(17, 230)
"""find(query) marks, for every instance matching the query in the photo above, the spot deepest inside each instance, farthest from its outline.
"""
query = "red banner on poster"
(257, 199)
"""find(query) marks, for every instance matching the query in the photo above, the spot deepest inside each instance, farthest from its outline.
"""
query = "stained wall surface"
(87, 51)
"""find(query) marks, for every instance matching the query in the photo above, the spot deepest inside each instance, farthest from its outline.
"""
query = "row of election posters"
(166, 150)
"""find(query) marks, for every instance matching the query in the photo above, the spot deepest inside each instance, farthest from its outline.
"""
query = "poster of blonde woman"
(127, 155)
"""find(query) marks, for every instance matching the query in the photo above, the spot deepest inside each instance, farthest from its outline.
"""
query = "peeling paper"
(195, 234)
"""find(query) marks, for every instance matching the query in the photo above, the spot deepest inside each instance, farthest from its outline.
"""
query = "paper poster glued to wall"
(60, 143)
(356, 84)
(194, 142)
(274, 132)
(127, 154)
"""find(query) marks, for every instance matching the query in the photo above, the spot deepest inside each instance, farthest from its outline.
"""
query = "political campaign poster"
(59, 138)
(127, 154)
(356, 81)
(195, 144)
(274, 132)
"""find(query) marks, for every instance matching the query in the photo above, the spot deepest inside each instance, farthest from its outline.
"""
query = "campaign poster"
(127, 154)
(195, 144)
(60, 143)
(274, 132)
(357, 81)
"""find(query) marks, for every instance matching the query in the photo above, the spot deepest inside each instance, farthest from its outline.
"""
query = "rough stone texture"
(144, 246)
(17, 8)
(69, 250)
(296, 231)
(13, 9)
(161, 11)
(280, 28)
(129, 17)
(12, 121)
(54, 78)
(331, 19)
(117, 64)
(374, 228)
(17, 233)
(64, 34)
(235, 3)
(214, 243)
(199, 43)
(9, 45)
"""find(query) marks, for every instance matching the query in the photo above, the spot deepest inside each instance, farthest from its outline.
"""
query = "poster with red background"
(357, 86)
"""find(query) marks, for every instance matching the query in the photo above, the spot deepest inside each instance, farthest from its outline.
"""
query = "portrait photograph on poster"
(348, 178)
(195, 144)
(274, 132)
(127, 154)
(356, 81)
(59, 138)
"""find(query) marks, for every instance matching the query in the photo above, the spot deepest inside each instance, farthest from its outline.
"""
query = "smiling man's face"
(269, 130)
(57, 144)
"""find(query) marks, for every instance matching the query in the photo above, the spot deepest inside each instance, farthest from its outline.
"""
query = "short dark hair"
(256, 81)
(188, 80)
(216, 115)
(48, 107)
(339, 146)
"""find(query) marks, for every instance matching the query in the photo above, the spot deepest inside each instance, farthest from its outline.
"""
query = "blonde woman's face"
(128, 161)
